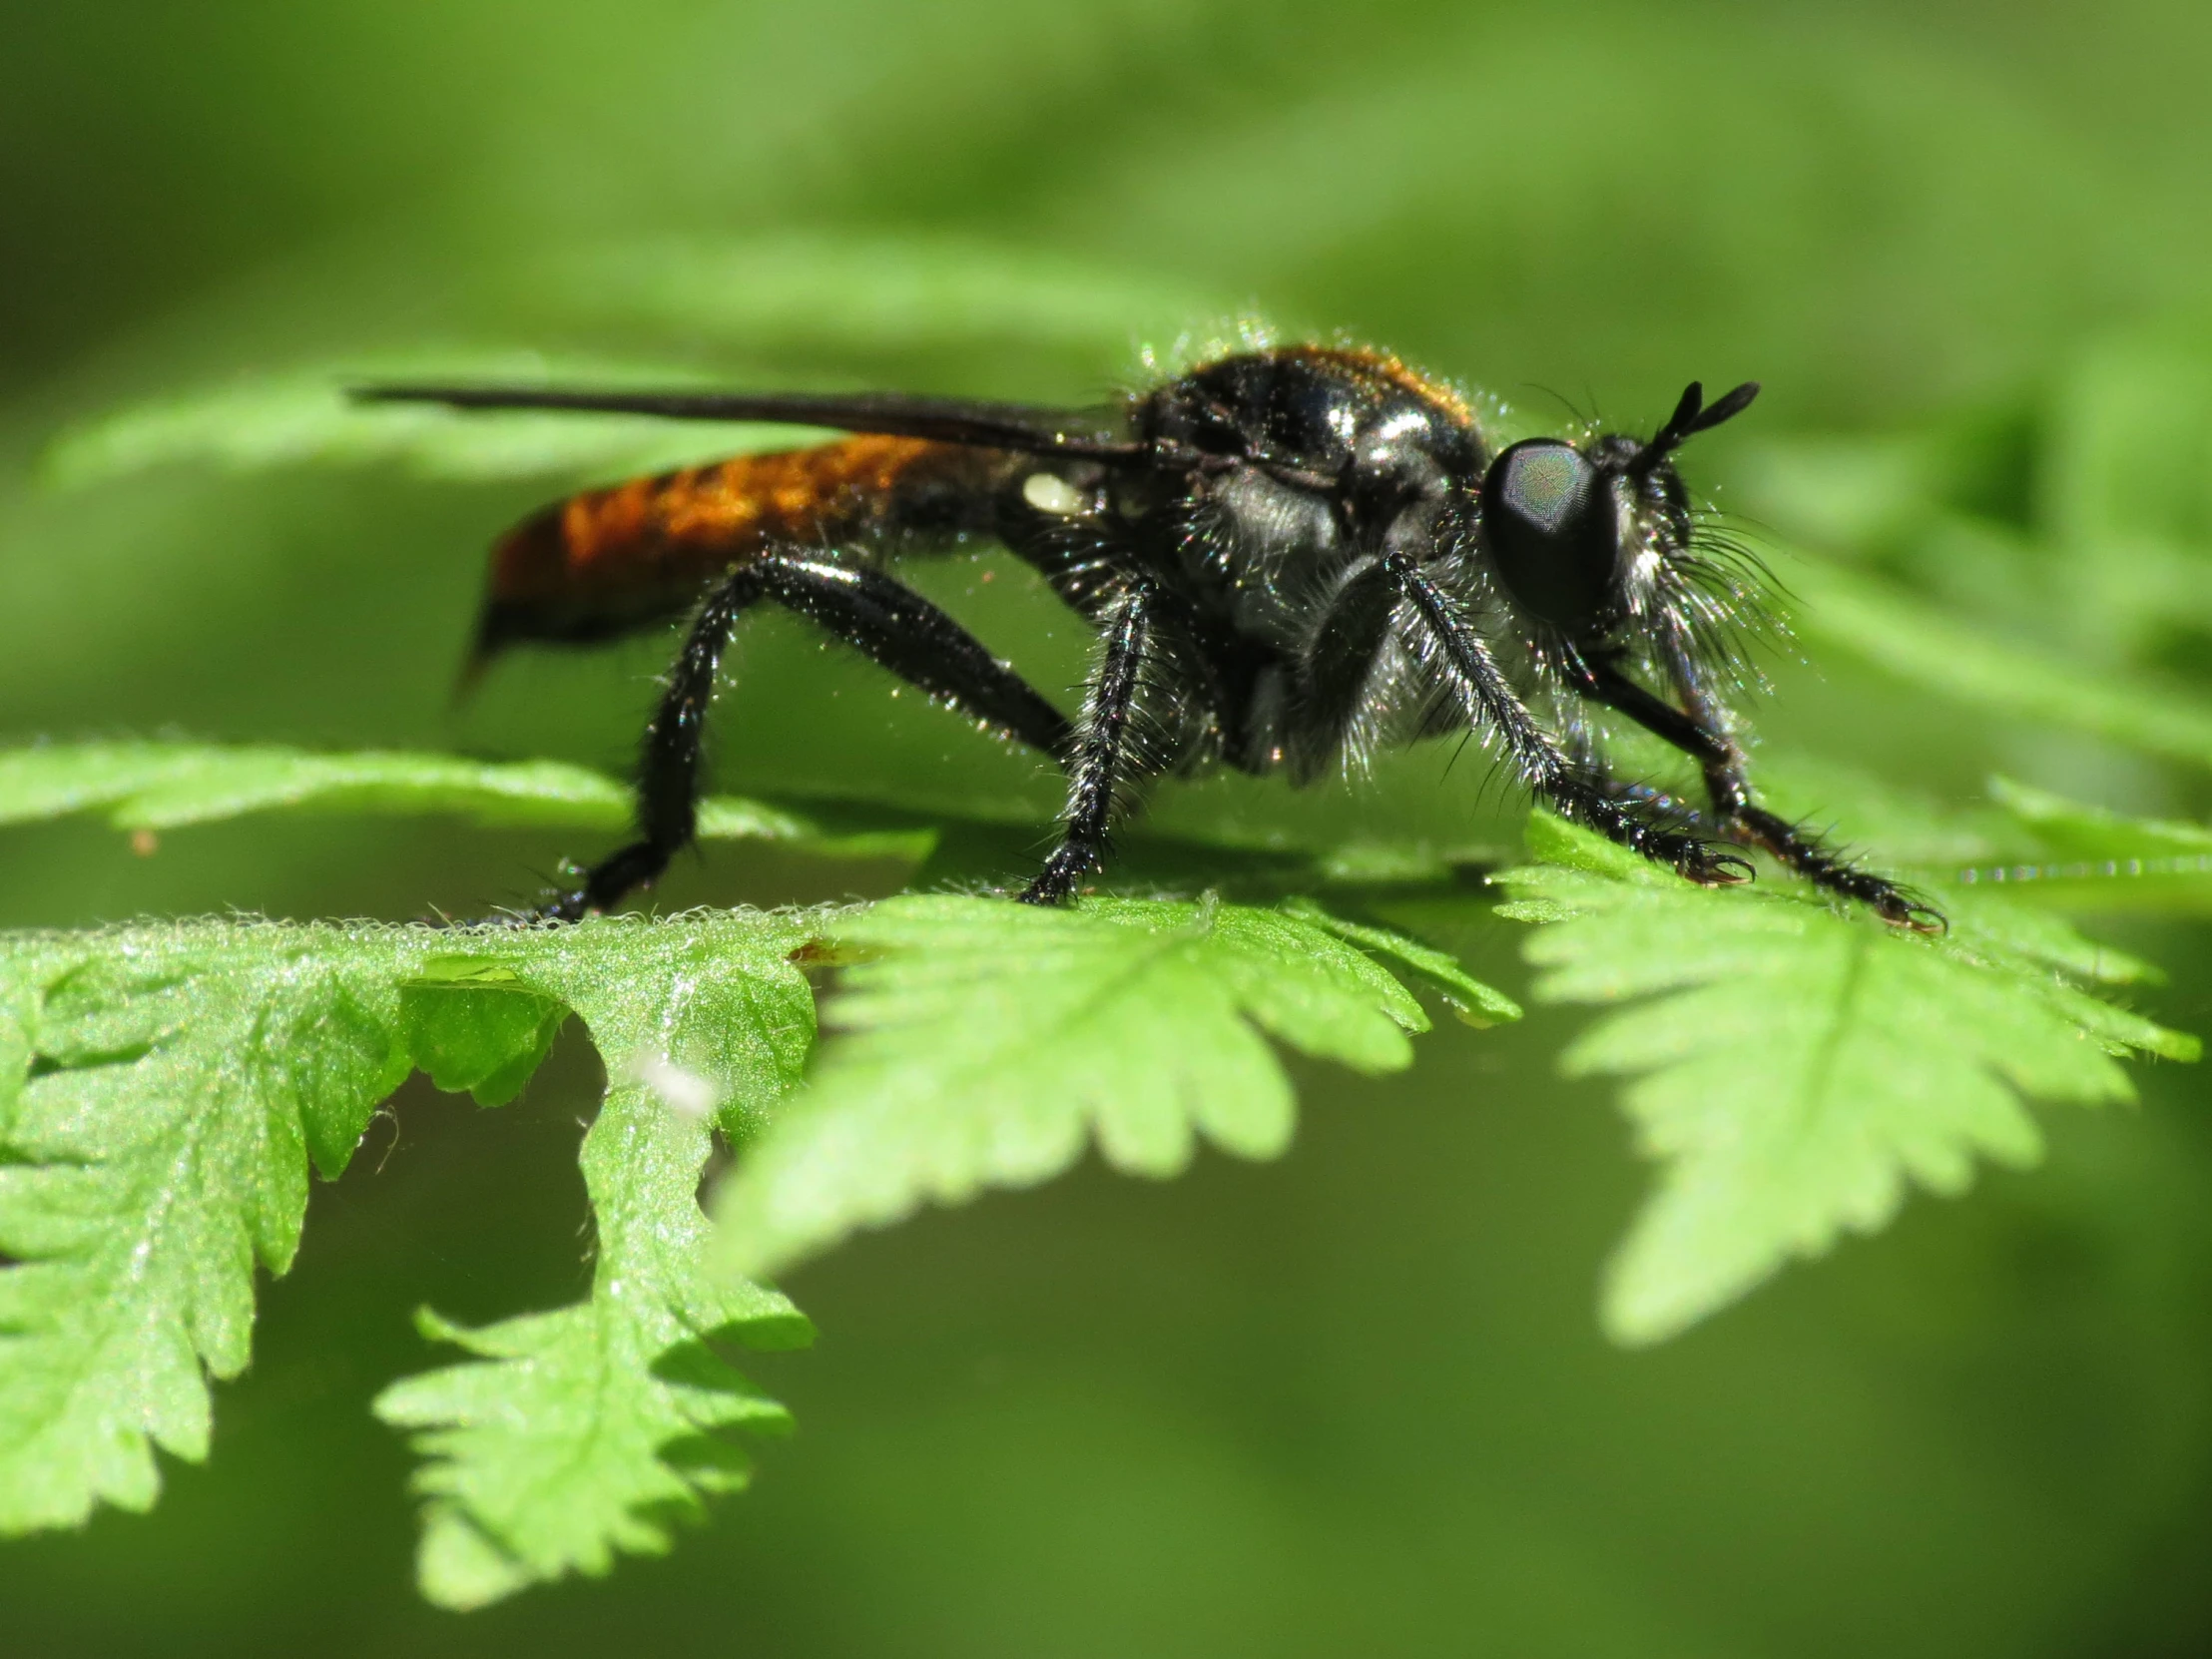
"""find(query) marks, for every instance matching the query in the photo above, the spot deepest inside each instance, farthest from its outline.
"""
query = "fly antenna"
(1691, 417)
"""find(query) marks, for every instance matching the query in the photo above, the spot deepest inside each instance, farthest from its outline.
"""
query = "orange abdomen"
(610, 560)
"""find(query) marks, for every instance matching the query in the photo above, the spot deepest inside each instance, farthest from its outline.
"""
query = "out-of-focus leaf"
(2086, 858)
(2069, 827)
(1846, 492)
(2129, 457)
(167, 785)
(303, 417)
(1883, 625)
(883, 294)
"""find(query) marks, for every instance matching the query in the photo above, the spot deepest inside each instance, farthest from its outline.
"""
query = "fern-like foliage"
(166, 1089)
(590, 1428)
(163, 1095)
(990, 1043)
(1796, 1069)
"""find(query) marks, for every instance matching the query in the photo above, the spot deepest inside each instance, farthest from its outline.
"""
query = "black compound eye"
(1549, 522)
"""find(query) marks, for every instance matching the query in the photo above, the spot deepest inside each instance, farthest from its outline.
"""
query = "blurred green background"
(1357, 1402)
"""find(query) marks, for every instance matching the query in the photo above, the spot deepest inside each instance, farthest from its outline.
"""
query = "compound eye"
(1549, 522)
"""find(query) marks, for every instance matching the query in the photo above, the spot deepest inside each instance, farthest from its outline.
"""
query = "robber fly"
(1291, 557)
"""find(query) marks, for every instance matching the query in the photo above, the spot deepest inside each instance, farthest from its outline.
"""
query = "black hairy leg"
(883, 618)
(1105, 756)
(1649, 798)
(1801, 849)
(1575, 791)
(1734, 811)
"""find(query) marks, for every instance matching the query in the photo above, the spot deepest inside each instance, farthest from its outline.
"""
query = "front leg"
(1104, 756)
(1723, 766)
(1577, 793)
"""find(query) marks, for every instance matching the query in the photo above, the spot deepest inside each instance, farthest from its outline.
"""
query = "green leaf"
(875, 295)
(1988, 867)
(165, 785)
(303, 417)
(2070, 829)
(2000, 864)
(2139, 392)
(593, 1428)
(1795, 1068)
(1883, 625)
(471, 1023)
(2077, 858)
(1472, 1001)
(164, 1091)
(866, 294)
(171, 1083)
(156, 786)
(987, 1043)
(1905, 829)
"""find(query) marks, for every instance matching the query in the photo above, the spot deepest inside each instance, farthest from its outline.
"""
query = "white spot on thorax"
(1048, 492)
(1405, 423)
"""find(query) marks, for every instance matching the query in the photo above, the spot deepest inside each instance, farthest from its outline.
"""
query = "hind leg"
(881, 618)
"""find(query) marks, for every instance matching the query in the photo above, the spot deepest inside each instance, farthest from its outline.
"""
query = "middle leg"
(1106, 751)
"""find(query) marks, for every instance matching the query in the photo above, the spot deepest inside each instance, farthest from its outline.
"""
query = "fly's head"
(1589, 538)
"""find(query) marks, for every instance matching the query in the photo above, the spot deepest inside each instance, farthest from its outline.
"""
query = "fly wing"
(609, 561)
(1097, 434)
